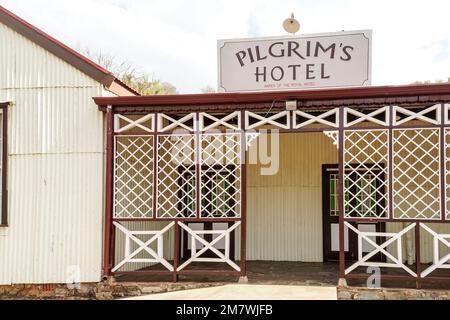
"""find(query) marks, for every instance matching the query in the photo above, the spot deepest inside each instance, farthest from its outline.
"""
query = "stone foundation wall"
(359, 293)
(117, 290)
(94, 291)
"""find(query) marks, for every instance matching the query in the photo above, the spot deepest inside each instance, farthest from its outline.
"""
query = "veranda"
(178, 170)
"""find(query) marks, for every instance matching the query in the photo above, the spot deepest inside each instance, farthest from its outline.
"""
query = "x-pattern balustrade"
(395, 161)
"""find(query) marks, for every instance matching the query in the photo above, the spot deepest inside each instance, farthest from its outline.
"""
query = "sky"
(176, 40)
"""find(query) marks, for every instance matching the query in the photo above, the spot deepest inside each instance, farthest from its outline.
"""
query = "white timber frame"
(196, 254)
(366, 157)
(415, 155)
(421, 115)
(143, 246)
(176, 171)
(393, 237)
(140, 123)
(316, 119)
(264, 119)
(133, 176)
(404, 150)
(438, 261)
(224, 121)
(220, 161)
(369, 117)
(416, 173)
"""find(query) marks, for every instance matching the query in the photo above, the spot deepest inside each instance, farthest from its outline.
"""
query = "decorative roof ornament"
(291, 25)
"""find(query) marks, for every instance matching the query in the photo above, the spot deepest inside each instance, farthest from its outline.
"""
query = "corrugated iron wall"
(284, 210)
(55, 174)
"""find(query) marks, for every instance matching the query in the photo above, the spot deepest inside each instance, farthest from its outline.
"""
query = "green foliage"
(127, 73)
(431, 82)
(147, 86)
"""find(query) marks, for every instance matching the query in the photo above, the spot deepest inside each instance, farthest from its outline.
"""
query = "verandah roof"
(317, 98)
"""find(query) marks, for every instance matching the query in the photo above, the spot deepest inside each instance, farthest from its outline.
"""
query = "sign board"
(341, 59)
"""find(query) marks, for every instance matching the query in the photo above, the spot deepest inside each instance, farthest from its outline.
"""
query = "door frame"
(352, 253)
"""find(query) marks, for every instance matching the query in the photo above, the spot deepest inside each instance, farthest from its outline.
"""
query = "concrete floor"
(287, 274)
(248, 292)
(258, 272)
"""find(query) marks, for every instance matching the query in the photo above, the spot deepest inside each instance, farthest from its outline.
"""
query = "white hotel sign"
(340, 59)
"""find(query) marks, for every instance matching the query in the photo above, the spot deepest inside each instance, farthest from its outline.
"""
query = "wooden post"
(176, 254)
(442, 160)
(341, 197)
(418, 258)
(108, 246)
(243, 257)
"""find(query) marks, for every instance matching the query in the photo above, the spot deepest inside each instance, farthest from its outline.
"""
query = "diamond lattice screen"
(416, 174)
(366, 172)
(220, 175)
(176, 177)
(133, 177)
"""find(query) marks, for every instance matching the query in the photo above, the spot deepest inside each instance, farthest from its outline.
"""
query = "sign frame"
(366, 33)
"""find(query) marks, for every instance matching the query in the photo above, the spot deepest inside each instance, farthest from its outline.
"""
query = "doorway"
(330, 207)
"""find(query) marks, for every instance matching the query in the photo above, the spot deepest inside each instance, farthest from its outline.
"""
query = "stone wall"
(117, 290)
(94, 291)
(359, 293)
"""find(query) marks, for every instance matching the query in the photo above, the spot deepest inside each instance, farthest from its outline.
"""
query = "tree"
(130, 75)
(147, 86)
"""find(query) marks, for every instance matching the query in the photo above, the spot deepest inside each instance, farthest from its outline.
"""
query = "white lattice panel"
(428, 115)
(416, 172)
(391, 239)
(197, 237)
(220, 175)
(133, 177)
(366, 171)
(230, 121)
(167, 123)
(328, 118)
(378, 116)
(176, 176)
(277, 120)
(123, 123)
(143, 246)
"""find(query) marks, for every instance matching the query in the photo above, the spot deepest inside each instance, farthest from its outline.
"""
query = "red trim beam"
(419, 91)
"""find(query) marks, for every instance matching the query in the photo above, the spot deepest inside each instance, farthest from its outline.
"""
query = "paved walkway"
(248, 292)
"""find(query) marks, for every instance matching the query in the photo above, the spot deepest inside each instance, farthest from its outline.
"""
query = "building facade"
(201, 184)
(51, 226)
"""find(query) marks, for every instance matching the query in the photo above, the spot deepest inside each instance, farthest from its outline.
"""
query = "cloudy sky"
(175, 40)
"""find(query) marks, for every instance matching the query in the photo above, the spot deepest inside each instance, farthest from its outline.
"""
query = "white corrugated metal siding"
(285, 210)
(55, 174)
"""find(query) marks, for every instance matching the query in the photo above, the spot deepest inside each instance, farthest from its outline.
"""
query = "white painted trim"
(143, 246)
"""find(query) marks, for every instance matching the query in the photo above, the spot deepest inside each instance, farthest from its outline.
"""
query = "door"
(217, 199)
(330, 196)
